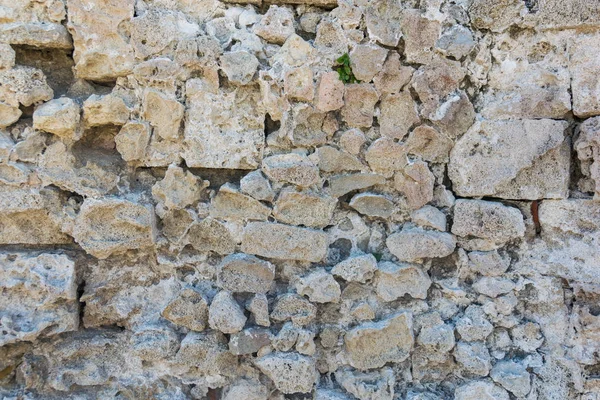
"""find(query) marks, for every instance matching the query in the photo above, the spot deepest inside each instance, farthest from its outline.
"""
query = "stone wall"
(373, 200)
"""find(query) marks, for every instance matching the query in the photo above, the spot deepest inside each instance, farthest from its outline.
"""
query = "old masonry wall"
(303, 199)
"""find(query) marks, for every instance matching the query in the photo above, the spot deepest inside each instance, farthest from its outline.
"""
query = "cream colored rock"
(276, 25)
(292, 168)
(60, 117)
(372, 205)
(587, 146)
(211, 235)
(385, 156)
(414, 244)
(290, 372)
(189, 309)
(332, 160)
(284, 242)
(304, 208)
(359, 268)
(101, 53)
(178, 189)
(7, 57)
(359, 105)
(416, 183)
(223, 129)
(295, 308)
(133, 140)
(8, 114)
(393, 281)
(164, 114)
(39, 296)
(299, 85)
(366, 60)
(105, 110)
(245, 273)
(352, 141)
(340, 185)
(225, 314)
(382, 22)
(113, 225)
(420, 35)
(259, 307)
(36, 34)
(429, 144)
(256, 185)
(319, 286)
(230, 204)
(24, 85)
(330, 92)
(394, 76)
(239, 66)
(398, 115)
(374, 344)
(480, 390)
(586, 93)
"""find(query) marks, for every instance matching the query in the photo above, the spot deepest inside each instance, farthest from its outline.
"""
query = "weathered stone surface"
(587, 146)
(330, 92)
(365, 385)
(239, 66)
(429, 217)
(284, 242)
(105, 110)
(188, 309)
(416, 183)
(366, 60)
(385, 156)
(372, 205)
(295, 308)
(292, 168)
(495, 16)
(259, 307)
(332, 160)
(395, 280)
(430, 144)
(300, 208)
(225, 314)
(60, 117)
(101, 53)
(163, 113)
(319, 286)
(223, 129)
(473, 357)
(276, 25)
(358, 268)
(480, 390)
(36, 34)
(290, 372)
(24, 85)
(340, 185)
(373, 344)
(211, 235)
(359, 105)
(39, 296)
(420, 35)
(230, 204)
(256, 185)
(489, 221)
(244, 273)
(398, 115)
(520, 147)
(415, 243)
(473, 325)
(178, 189)
(586, 93)
(512, 376)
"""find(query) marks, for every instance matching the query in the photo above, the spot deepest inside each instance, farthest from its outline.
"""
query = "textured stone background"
(194, 206)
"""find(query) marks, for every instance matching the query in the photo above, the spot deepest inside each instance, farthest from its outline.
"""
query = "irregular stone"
(223, 129)
(373, 344)
(429, 217)
(416, 183)
(205, 353)
(527, 336)
(368, 385)
(456, 42)
(295, 308)
(394, 76)
(512, 376)
(352, 141)
(301, 208)
(60, 117)
(276, 25)
(496, 16)
(473, 357)
(244, 273)
(239, 66)
(398, 115)
(256, 185)
(178, 189)
(327, 394)
(587, 146)
(299, 85)
(24, 85)
(132, 141)
(429, 144)
(479, 220)
(358, 268)
(305, 126)
(372, 205)
(230, 204)
(415, 243)
(435, 82)
(382, 22)
(330, 92)
(331, 41)
(285, 242)
(249, 341)
(393, 281)
(420, 35)
(290, 372)
(259, 307)
(493, 287)
(36, 34)
(319, 286)
(340, 185)
(385, 156)
(333, 160)
(105, 110)
(287, 337)
(480, 390)
(473, 325)
(359, 105)
(292, 168)
(211, 235)
(7, 59)
(246, 389)
(39, 296)
(8, 114)
(518, 146)
(225, 314)
(112, 225)
(163, 113)
(454, 116)
(189, 309)
(435, 335)
(101, 52)
(366, 60)
(488, 263)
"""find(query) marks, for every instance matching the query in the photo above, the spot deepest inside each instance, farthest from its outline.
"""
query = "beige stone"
(163, 114)
(245, 273)
(340, 185)
(394, 76)
(393, 281)
(429, 144)
(189, 309)
(359, 105)
(24, 85)
(416, 183)
(330, 92)
(319, 286)
(304, 208)
(299, 85)
(366, 60)
(292, 168)
(8, 114)
(105, 110)
(290, 372)
(372, 205)
(413, 244)
(276, 25)
(284, 242)
(584, 84)
(211, 235)
(230, 204)
(178, 189)
(398, 115)
(385, 156)
(132, 141)
(60, 117)
(239, 66)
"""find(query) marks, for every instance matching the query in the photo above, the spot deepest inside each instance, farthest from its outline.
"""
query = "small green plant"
(344, 71)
